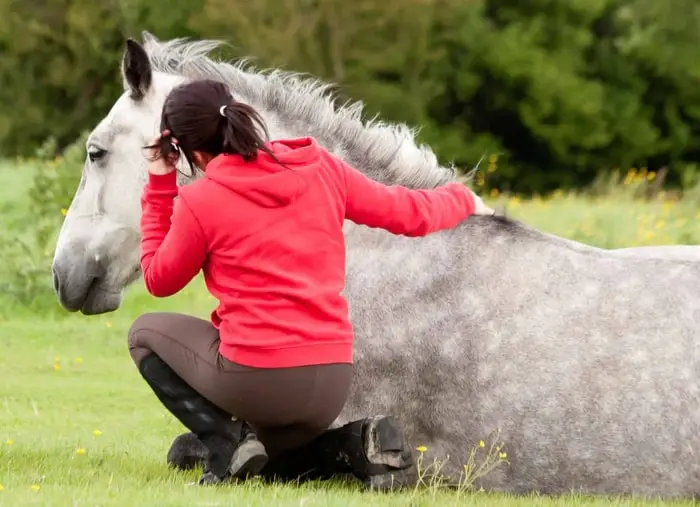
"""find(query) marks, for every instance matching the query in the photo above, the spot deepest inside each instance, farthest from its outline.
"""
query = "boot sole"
(248, 460)
(387, 447)
(392, 481)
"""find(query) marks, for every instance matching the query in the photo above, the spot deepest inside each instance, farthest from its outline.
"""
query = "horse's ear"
(136, 69)
(148, 38)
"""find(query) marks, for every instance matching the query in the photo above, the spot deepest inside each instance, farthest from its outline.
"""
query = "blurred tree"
(660, 39)
(57, 59)
(559, 89)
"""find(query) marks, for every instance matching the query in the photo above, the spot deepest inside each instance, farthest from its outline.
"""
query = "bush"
(28, 252)
(55, 182)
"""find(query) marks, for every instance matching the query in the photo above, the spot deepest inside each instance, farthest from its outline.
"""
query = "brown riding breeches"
(287, 407)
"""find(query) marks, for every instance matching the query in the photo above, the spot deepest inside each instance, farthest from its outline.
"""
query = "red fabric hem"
(290, 357)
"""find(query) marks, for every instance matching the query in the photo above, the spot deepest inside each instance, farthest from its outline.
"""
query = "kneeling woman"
(265, 226)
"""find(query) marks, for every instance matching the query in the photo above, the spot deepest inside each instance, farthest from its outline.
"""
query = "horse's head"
(97, 253)
(98, 246)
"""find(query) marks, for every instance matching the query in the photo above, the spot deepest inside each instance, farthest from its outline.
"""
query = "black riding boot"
(373, 450)
(187, 452)
(232, 450)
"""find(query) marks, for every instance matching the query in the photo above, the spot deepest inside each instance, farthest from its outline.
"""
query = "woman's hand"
(480, 208)
(158, 164)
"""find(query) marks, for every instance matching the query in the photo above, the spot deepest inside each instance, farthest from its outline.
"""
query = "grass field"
(78, 427)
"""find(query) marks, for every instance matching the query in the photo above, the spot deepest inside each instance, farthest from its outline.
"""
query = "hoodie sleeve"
(404, 211)
(173, 246)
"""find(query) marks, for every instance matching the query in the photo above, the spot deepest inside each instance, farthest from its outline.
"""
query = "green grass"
(66, 376)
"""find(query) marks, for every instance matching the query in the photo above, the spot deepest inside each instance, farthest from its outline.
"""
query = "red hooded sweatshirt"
(269, 240)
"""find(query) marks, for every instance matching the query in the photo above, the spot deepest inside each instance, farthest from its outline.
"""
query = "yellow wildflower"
(97, 433)
(108, 324)
(2, 488)
(56, 366)
(78, 360)
(57, 359)
(503, 455)
(660, 224)
(651, 176)
(9, 441)
(421, 448)
(481, 443)
(35, 487)
(64, 211)
(494, 192)
(80, 451)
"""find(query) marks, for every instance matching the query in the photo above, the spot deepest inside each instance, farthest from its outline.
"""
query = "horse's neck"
(496, 239)
(387, 153)
(294, 106)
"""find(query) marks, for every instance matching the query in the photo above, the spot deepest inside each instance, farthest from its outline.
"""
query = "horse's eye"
(95, 153)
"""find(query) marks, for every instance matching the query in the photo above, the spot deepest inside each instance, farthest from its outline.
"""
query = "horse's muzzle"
(76, 277)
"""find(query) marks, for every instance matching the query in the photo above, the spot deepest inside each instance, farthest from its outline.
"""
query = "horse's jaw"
(101, 301)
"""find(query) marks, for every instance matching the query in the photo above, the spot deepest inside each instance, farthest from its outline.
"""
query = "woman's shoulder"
(194, 191)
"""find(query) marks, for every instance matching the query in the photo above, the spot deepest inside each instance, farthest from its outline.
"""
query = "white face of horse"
(97, 253)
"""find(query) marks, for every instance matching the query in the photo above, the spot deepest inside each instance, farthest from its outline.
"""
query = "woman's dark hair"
(203, 116)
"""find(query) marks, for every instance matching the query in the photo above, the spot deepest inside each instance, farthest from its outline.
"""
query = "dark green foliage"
(560, 89)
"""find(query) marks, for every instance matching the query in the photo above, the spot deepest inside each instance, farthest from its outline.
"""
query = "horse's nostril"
(56, 281)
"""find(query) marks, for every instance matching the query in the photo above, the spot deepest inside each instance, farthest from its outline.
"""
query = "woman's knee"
(141, 334)
(172, 335)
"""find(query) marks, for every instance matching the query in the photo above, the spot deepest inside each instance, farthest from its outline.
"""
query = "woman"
(265, 226)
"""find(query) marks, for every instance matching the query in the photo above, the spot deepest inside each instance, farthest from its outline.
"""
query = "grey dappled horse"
(586, 360)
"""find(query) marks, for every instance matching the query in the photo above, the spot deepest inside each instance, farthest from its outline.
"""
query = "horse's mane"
(385, 152)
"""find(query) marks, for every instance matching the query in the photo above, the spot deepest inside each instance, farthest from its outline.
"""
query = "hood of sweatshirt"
(265, 181)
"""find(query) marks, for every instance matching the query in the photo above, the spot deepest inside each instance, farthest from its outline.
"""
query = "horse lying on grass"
(584, 362)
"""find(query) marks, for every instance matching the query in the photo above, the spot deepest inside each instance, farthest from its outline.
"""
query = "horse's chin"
(101, 300)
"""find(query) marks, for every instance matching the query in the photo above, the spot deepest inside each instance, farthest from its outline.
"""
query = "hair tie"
(221, 111)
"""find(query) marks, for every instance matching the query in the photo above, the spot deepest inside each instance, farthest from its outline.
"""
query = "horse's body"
(668, 252)
(584, 359)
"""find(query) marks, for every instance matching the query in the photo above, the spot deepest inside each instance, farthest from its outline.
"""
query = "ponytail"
(242, 130)
(203, 116)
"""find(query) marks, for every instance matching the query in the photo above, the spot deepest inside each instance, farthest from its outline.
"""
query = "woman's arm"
(173, 246)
